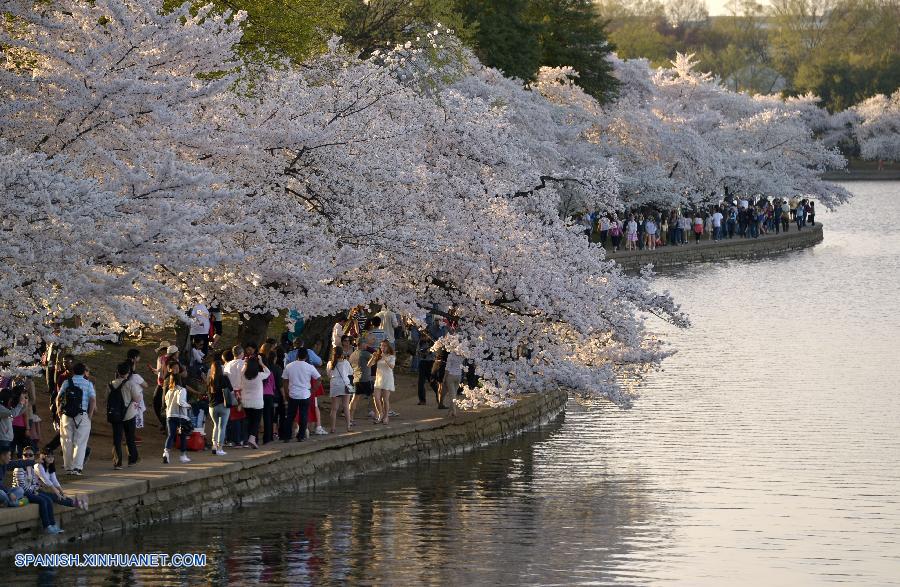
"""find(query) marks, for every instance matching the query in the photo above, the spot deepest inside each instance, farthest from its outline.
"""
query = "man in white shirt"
(234, 367)
(388, 323)
(337, 332)
(296, 387)
(200, 326)
(717, 224)
(604, 229)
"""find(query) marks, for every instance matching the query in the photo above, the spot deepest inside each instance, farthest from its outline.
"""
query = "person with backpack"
(122, 405)
(77, 402)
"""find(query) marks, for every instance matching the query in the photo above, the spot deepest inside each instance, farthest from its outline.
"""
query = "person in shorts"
(362, 374)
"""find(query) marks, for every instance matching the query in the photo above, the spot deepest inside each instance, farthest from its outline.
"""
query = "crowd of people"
(250, 394)
(648, 228)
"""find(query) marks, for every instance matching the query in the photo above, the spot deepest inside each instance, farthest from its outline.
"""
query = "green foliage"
(841, 50)
(503, 37)
(571, 32)
(381, 23)
(295, 29)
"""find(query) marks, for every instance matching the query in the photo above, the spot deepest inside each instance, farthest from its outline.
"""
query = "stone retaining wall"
(196, 489)
(736, 248)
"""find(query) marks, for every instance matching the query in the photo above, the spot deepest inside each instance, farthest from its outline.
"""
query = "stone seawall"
(184, 490)
(710, 251)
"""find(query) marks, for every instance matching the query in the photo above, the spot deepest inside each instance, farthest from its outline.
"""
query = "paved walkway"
(708, 249)
(101, 481)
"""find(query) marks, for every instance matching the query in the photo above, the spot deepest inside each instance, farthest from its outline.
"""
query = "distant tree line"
(843, 51)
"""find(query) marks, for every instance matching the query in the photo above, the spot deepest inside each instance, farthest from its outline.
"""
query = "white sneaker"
(372, 414)
(184, 459)
(220, 453)
(321, 431)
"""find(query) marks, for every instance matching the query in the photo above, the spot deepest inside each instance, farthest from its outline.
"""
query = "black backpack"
(72, 400)
(115, 403)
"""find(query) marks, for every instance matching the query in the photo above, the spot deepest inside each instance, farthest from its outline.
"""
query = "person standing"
(77, 403)
(604, 229)
(253, 377)
(452, 377)
(338, 331)
(384, 360)
(269, 356)
(426, 362)
(62, 371)
(650, 229)
(341, 389)
(162, 358)
(631, 234)
(178, 418)
(717, 225)
(698, 228)
(220, 399)
(296, 380)
(200, 323)
(237, 418)
(615, 232)
(377, 331)
(362, 375)
(389, 323)
(9, 410)
(133, 358)
(129, 401)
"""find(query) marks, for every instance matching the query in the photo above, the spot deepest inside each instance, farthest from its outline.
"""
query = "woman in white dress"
(384, 360)
(341, 390)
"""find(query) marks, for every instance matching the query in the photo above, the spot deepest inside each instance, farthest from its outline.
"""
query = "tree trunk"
(253, 329)
(317, 332)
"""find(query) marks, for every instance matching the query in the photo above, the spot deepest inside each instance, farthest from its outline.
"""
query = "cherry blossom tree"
(679, 137)
(107, 95)
(878, 127)
(313, 187)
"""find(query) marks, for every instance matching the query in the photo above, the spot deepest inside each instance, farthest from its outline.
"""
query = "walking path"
(709, 250)
(101, 483)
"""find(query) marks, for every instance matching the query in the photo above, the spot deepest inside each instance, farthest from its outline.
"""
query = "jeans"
(288, 424)
(253, 417)
(119, 429)
(236, 431)
(603, 235)
(66, 501)
(219, 416)
(268, 417)
(45, 507)
(158, 405)
(425, 366)
(173, 425)
(717, 233)
(10, 495)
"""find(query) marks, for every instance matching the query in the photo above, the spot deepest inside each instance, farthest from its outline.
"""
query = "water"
(765, 453)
